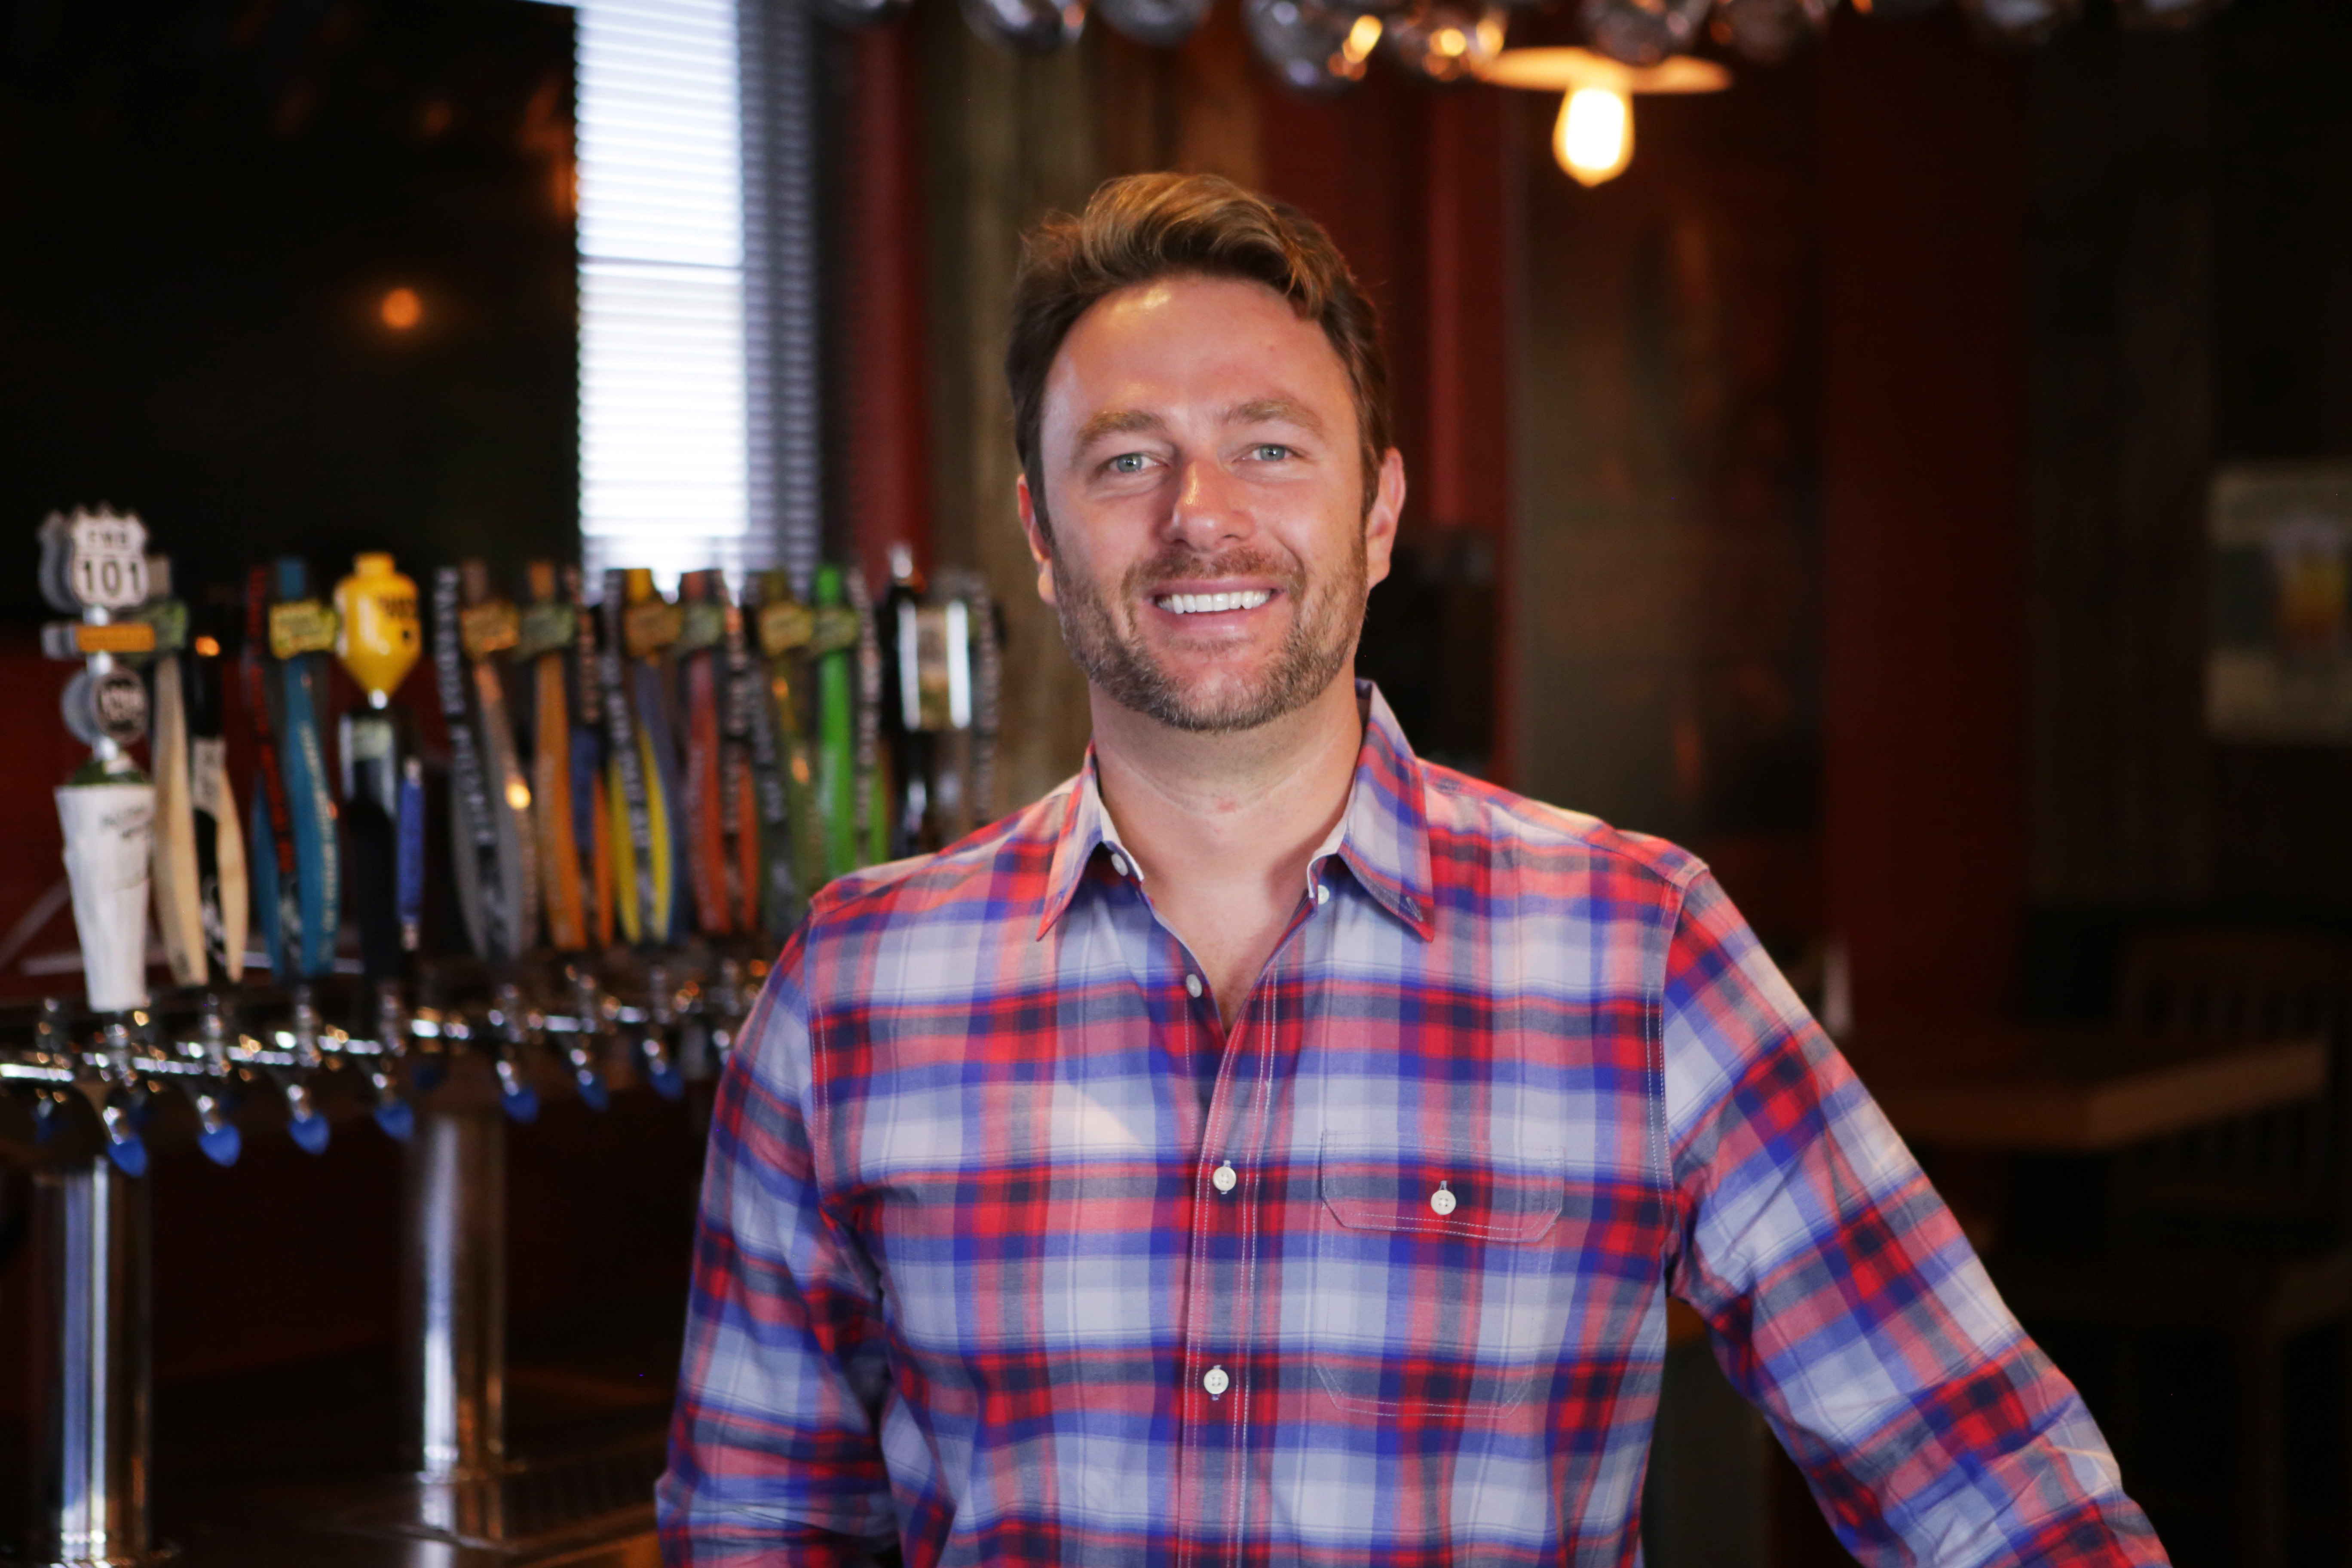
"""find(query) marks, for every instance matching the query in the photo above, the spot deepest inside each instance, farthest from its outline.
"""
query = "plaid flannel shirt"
(975, 1275)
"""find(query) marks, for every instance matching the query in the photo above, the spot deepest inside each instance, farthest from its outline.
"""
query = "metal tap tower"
(91, 1344)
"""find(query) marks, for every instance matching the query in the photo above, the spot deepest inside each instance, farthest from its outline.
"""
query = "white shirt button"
(1191, 986)
(1119, 862)
(1223, 1178)
(1216, 1381)
(1440, 1202)
(1322, 892)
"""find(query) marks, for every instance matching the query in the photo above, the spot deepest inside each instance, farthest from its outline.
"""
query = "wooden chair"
(2243, 1230)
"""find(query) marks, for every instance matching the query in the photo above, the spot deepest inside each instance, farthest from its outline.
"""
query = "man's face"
(1211, 546)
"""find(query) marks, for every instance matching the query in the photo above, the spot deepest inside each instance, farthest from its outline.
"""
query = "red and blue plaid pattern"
(977, 1274)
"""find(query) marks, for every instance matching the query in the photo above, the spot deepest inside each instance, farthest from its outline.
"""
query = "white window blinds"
(663, 431)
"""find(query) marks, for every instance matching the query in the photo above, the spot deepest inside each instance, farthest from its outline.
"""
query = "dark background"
(204, 205)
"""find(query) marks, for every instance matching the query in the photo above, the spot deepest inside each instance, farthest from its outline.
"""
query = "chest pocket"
(1442, 1273)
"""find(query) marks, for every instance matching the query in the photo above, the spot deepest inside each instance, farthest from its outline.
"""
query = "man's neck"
(1222, 825)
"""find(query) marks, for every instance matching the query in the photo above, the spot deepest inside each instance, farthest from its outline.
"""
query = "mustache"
(1174, 566)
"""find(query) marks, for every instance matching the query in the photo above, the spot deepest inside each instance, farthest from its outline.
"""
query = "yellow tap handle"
(377, 635)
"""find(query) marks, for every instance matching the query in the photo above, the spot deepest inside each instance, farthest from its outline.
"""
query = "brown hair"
(1141, 227)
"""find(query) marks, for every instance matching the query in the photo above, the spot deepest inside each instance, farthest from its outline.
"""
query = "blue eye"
(1127, 463)
(1269, 452)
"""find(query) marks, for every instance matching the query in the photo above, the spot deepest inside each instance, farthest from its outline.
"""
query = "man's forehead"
(1140, 351)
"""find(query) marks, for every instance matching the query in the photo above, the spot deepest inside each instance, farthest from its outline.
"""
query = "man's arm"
(1845, 1302)
(773, 1453)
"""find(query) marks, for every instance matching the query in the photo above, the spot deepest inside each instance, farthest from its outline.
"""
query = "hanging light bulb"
(1593, 138)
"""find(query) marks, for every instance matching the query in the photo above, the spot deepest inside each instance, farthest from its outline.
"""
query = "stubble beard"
(1329, 616)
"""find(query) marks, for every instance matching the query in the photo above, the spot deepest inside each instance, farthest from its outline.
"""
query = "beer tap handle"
(549, 633)
(217, 1135)
(588, 1035)
(701, 604)
(661, 1016)
(519, 1100)
(213, 1094)
(304, 1123)
(53, 1048)
(394, 1113)
(95, 565)
(124, 1110)
(124, 1146)
(378, 639)
(728, 1005)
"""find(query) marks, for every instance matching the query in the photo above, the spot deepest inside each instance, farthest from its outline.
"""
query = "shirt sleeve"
(1844, 1301)
(774, 1454)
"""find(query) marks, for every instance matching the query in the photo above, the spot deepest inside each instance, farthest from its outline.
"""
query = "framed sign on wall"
(2279, 668)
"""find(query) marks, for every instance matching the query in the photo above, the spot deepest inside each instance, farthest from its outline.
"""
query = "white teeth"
(1209, 604)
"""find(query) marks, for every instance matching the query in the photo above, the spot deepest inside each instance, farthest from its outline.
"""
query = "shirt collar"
(1383, 837)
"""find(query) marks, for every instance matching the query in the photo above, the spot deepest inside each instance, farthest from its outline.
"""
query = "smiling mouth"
(1212, 604)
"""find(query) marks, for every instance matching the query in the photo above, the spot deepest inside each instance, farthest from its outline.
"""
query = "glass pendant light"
(1161, 24)
(1314, 48)
(1643, 32)
(1768, 31)
(852, 14)
(2020, 21)
(1592, 140)
(2168, 14)
(1443, 41)
(1030, 26)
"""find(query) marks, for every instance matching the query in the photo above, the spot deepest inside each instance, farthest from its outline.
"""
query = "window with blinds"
(663, 430)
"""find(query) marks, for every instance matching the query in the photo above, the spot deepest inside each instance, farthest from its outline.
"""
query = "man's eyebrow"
(1274, 411)
(1118, 422)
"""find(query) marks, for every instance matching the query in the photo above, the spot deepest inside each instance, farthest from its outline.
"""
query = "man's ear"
(1040, 549)
(1380, 517)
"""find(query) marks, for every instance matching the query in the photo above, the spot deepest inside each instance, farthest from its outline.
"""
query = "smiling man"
(1270, 1148)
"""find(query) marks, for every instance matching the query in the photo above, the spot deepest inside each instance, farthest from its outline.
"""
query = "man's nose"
(1210, 507)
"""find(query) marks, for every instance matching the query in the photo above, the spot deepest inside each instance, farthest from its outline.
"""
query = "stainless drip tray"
(532, 1510)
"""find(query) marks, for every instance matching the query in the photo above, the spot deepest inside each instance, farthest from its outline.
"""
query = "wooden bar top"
(2086, 1090)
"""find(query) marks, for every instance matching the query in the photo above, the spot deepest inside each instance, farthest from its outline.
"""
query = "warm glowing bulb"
(401, 309)
(1361, 39)
(207, 648)
(1594, 138)
(518, 795)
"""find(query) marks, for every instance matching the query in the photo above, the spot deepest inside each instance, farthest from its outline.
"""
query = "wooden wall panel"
(1924, 197)
(1666, 577)
(2122, 445)
(1006, 139)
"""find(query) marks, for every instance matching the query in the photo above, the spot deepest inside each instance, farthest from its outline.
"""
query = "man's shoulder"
(991, 872)
(1473, 821)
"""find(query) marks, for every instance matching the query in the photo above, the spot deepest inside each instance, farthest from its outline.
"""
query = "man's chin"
(1223, 705)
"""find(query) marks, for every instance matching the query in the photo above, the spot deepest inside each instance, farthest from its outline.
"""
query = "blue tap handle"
(409, 874)
(221, 1144)
(317, 865)
(397, 1118)
(308, 1133)
(123, 1144)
